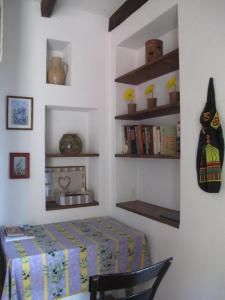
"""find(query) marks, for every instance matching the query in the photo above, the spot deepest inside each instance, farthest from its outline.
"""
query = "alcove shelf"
(159, 111)
(161, 214)
(61, 49)
(52, 155)
(166, 64)
(159, 156)
(52, 205)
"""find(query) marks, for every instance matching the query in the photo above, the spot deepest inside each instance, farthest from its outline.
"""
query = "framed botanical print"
(19, 165)
(19, 113)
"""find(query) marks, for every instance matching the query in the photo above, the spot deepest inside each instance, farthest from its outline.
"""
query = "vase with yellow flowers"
(174, 95)
(129, 97)
(151, 101)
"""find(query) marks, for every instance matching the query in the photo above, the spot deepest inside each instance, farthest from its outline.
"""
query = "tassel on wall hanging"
(210, 152)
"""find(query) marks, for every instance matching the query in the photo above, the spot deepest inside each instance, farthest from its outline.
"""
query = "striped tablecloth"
(61, 257)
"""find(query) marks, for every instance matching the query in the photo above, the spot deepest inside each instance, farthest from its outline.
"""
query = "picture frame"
(19, 113)
(64, 179)
(19, 165)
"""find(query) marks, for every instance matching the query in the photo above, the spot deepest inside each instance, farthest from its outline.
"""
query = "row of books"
(17, 233)
(152, 140)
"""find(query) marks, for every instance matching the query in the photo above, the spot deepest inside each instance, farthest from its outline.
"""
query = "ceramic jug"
(57, 71)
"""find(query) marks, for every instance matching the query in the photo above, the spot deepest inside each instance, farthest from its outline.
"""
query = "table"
(61, 257)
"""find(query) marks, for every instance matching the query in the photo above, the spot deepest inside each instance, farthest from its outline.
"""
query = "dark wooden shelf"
(52, 205)
(159, 111)
(159, 156)
(49, 155)
(164, 65)
(151, 211)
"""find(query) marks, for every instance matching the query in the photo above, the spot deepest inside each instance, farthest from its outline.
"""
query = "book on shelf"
(151, 140)
(130, 138)
(168, 140)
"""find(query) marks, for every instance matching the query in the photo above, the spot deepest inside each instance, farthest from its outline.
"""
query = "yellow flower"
(171, 83)
(149, 89)
(128, 95)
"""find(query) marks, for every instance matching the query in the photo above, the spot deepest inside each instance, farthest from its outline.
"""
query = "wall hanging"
(19, 113)
(19, 165)
(210, 151)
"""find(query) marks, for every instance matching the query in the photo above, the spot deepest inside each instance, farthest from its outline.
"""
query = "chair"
(108, 282)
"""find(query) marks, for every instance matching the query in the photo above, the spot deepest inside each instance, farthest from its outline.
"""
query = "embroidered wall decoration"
(210, 152)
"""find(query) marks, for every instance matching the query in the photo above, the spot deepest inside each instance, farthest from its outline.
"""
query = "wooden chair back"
(108, 282)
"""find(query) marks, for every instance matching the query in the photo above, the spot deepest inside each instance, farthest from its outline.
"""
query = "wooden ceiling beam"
(47, 7)
(125, 10)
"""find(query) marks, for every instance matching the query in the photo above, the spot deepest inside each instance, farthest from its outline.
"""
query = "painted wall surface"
(23, 73)
(198, 246)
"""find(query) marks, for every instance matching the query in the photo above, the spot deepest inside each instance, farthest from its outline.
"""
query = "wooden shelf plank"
(164, 65)
(151, 211)
(159, 111)
(52, 205)
(49, 155)
(159, 156)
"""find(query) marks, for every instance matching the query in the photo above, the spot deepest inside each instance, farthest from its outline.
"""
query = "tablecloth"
(61, 257)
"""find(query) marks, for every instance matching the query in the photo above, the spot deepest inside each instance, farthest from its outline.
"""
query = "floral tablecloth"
(61, 257)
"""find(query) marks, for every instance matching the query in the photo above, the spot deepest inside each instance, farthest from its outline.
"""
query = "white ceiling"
(101, 7)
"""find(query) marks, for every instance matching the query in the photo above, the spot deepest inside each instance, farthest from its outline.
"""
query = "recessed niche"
(75, 120)
(62, 50)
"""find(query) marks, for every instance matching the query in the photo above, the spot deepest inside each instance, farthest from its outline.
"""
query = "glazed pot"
(57, 71)
(70, 143)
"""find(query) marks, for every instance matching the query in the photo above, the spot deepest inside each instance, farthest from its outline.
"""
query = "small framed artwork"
(68, 179)
(19, 165)
(19, 113)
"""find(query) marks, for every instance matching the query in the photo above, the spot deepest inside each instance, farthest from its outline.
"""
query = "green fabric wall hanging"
(210, 152)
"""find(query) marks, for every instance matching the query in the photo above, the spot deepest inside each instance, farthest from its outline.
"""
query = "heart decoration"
(64, 182)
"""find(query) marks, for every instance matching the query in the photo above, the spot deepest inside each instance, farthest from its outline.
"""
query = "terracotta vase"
(174, 98)
(153, 50)
(57, 71)
(151, 103)
(131, 108)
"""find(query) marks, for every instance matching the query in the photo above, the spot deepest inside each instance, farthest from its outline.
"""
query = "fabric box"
(74, 198)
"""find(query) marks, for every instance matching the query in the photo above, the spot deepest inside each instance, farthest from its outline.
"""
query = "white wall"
(23, 73)
(198, 247)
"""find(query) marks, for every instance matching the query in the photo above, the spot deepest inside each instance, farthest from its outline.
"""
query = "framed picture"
(19, 165)
(69, 179)
(19, 113)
